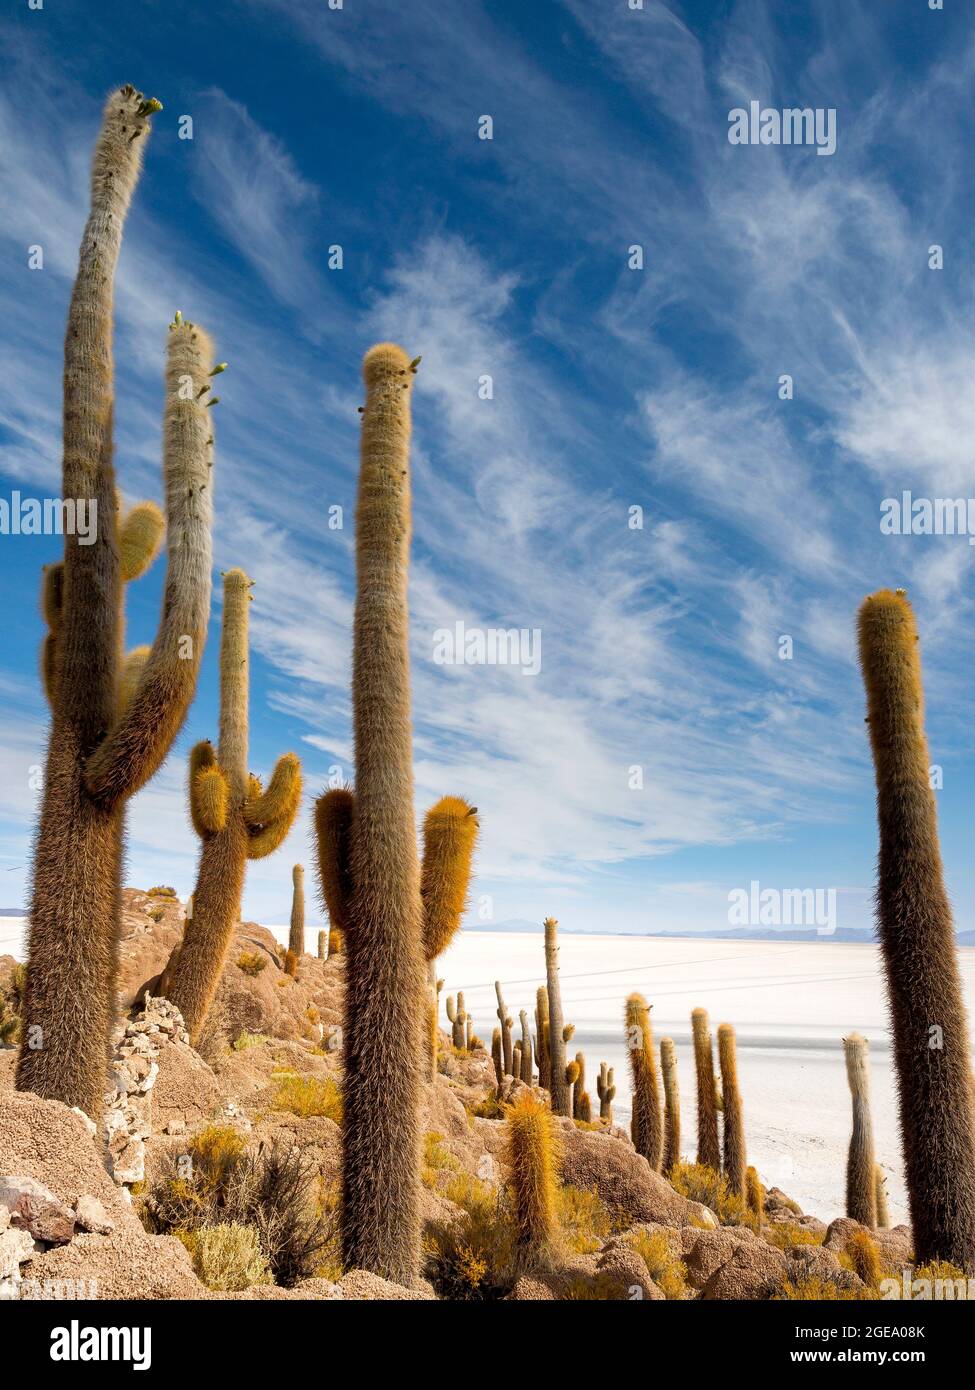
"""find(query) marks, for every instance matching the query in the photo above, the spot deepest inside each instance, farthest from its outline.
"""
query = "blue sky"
(613, 388)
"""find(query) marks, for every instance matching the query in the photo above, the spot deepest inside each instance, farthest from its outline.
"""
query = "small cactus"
(526, 1049)
(708, 1146)
(506, 1025)
(755, 1195)
(533, 1168)
(668, 1070)
(542, 1038)
(861, 1165)
(556, 1033)
(646, 1122)
(734, 1124)
(606, 1091)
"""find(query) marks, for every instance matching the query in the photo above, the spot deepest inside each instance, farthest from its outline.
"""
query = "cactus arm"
(449, 836)
(140, 538)
(209, 800)
(138, 740)
(265, 839)
(334, 811)
(282, 796)
(202, 756)
(130, 675)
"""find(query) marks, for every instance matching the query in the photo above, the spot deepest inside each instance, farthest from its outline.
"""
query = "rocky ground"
(71, 1197)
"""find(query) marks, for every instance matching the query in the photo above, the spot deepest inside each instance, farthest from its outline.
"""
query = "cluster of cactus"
(918, 943)
(113, 718)
(235, 818)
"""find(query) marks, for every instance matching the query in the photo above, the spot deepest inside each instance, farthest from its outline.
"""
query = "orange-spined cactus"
(646, 1119)
(533, 1172)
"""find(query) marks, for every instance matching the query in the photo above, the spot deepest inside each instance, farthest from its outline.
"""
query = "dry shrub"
(665, 1268)
(251, 962)
(698, 1183)
(785, 1234)
(308, 1095)
(227, 1257)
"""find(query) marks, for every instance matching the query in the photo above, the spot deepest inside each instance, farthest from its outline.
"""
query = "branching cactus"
(606, 1091)
(668, 1070)
(533, 1166)
(450, 831)
(735, 1163)
(234, 817)
(296, 935)
(113, 719)
(506, 1026)
(542, 1038)
(556, 1028)
(917, 939)
(708, 1145)
(526, 1049)
(861, 1166)
(647, 1122)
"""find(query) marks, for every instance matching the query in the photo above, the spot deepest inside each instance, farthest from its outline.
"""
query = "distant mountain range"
(845, 934)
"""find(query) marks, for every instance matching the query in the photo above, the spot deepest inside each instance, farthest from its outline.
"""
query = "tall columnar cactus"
(323, 945)
(571, 1077)
(113, 720)
(533, 1167)
(236, 819)
(542, 1038)
(296, 935)
(647, 1121)
(668, 1069)
(507, 1023)
(556, 1025)
(735, 1162)
(385, 1000)
(708, 1145)
(606, 1091)
(861, 1165)
(526, 1072)
(917, 938)
(880, 1190)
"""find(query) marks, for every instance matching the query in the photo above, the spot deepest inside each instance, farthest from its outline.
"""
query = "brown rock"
(756, 1270)
(33, 1207)
(618, 1174)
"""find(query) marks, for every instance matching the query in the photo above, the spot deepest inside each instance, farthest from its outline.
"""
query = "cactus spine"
(668, 1069)
(241, 822)
(112, 723)
(533, 1165)
(606, 1091)
(646, 1124)
(917, 939)
(734, 1125)
(506, 1026)
(708, 1146)
(526, 1049)
(556, 1026)
(861, 1166)
(296, 935)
